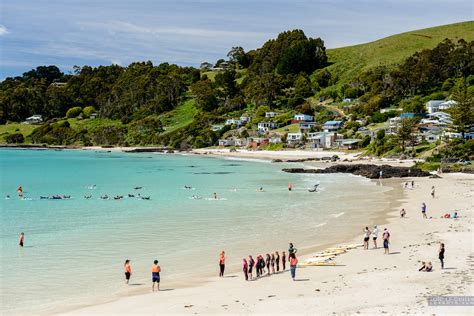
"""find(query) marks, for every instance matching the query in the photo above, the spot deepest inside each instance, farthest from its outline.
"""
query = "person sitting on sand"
(423, 209)
(251, 264)
(366, 237)
(128, 270)
(221, 264)
(429, 267)
(455, 215)
(386, 240)
(283, 260)
(293, 263)
(155, 276)
(245, 269)
(403, 213)
(423, 266)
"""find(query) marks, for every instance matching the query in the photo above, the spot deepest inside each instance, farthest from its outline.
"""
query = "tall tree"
(462, 112)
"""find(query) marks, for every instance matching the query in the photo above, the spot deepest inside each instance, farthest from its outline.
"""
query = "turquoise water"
(75, 249)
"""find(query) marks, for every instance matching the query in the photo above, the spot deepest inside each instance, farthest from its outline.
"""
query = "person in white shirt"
(366, 237)
(375, 234)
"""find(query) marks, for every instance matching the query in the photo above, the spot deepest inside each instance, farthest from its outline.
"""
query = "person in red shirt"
(128, 270)
(155, 275)
(293, 263)
(22, 239)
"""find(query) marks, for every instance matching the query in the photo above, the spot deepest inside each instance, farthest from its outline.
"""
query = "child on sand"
(245, 269)
(283, 260)
(441, 255)
(366, 237)
(277, 260)
(222, 264)
(22, 239)
(155, 276)
(423, 209)
(386, 240)
(128, 270)
(293, 263)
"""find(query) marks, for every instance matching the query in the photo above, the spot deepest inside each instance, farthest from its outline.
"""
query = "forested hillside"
(169, 105)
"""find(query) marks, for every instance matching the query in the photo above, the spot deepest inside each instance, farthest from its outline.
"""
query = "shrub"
(74, 112)
(88, 111)
(16, 138)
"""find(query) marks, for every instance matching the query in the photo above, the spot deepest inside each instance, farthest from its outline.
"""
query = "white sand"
(365, 281)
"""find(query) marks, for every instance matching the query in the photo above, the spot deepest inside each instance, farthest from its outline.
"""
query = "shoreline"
(414, 239)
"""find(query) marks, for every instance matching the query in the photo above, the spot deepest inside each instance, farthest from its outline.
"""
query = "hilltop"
(347, 62)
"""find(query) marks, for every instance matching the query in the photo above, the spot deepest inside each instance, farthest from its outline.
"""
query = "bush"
(88, 111)
(16, 138)
(74, 112)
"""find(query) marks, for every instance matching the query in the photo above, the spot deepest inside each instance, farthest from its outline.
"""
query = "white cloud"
(3, 30)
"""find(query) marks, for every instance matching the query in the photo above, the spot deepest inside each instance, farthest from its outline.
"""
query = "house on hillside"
(245, 119)
(255, 142)
(293, 138)
(34, 119)
(433, 106)
(350, 143)
(323, 140)
(304, 126)
(264, 127)
(332, 126)
(302, 118)
(275, 140)
(348, 100)
(58, 84)
(233, 121)
(216, 128)
(271, 114)
(393, 125)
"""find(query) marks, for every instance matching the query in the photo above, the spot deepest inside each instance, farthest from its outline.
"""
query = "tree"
(88, 111)
(226, 82)
(414, 105)
(204, 95)
(462, 112)
(205, 66)
(405, 132)
(238, 56)
(74, 112)
(303, 86)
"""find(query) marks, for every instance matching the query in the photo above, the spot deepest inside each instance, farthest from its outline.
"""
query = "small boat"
(145, 197)
(138, 188)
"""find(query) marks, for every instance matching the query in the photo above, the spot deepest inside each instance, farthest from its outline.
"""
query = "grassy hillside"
(349, 61)
(181, 116)
(12, 128)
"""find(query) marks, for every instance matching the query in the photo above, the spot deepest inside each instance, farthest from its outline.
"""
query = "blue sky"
(187, 32)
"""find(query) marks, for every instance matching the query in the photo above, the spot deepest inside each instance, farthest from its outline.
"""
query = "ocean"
(75, 248)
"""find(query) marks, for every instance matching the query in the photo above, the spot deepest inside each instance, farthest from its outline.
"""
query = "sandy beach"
(363, 281)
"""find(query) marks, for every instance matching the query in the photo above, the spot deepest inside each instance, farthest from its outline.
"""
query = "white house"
(348, 100)
(275, 140)
(433, 106)
(271, 114)
(264, 127)
(323, 139)
(431, 137)
(216, 128)
(34, 119)
(233, 121)
(393, 125)
(294, 137)
(303, 118)
(332, 126)
(306, 125)
(245, 118)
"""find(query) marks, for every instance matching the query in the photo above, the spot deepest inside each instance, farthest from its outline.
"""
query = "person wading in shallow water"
(155, 275)
(128, 270)
(221, 264)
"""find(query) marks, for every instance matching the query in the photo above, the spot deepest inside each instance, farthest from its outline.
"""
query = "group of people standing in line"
(264, 265)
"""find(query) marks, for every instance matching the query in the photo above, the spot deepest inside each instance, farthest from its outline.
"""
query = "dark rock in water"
(146, 150)
(277, 160)
(368, 171)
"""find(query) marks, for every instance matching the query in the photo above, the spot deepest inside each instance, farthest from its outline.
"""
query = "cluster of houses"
(433, 127)
(328, 138)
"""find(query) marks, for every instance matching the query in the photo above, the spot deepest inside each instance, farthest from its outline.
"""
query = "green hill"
(348, 62)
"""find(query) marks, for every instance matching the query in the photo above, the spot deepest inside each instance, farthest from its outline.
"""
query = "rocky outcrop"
(368, 171)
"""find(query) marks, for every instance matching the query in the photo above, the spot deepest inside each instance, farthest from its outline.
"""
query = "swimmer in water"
(20, 191)
(7, 197)
(290, 186)
(214, 196)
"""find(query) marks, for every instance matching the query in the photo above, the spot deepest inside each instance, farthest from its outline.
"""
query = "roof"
(350, 141)
(333, 122)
